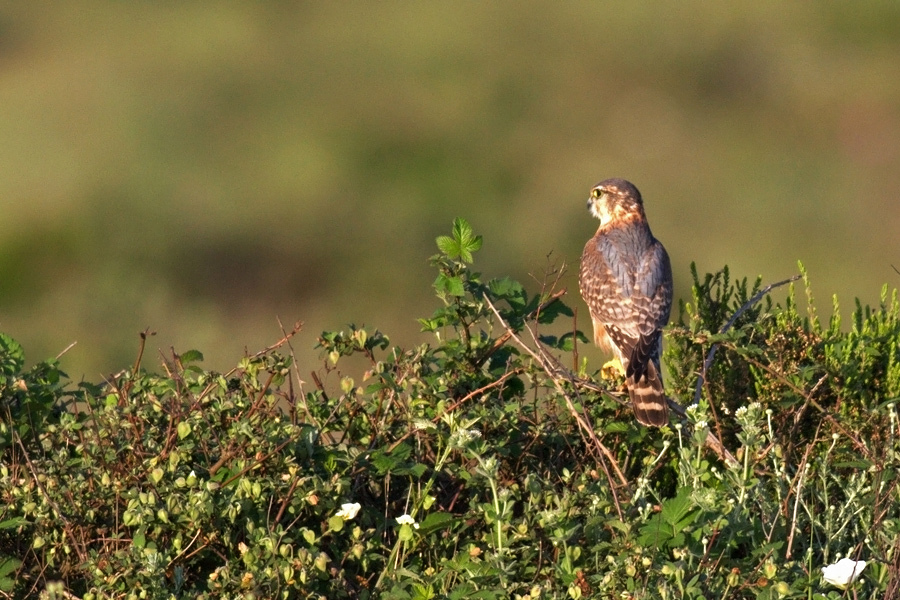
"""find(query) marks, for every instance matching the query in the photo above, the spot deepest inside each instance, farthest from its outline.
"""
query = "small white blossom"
(348, 511)
(472, 434)
(701, 424)
(407, 520)
(423, 424)
(462, 437)
(843, 572)
(741, 411)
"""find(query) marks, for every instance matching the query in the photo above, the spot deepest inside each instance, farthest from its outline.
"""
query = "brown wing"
(626, 281)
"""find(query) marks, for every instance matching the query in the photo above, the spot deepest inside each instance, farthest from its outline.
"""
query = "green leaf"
(191, 356)
(335, 523)
(14, 522)
(156, 475)
(184, 430)
(466, 238)
(12, 356)
(451, 286)
(509, 290)
(8, 565)
(463, 243)
(553, 311)
(675, 509)
(435, 521)
(448, 246)
(566, 342)
(406, 533)
(139, 540)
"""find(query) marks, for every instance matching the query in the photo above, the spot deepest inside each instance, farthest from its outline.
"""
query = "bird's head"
(614, 200)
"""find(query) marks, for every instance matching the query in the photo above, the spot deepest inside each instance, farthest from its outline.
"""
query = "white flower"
(422, 424)
(462, 437)
(407, 520)
(701, 424)
(348, 511)
(843, 572)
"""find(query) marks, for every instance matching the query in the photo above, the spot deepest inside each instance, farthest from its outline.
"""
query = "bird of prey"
(626, 282)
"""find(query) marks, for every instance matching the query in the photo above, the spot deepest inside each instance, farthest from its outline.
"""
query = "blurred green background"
(201, 168)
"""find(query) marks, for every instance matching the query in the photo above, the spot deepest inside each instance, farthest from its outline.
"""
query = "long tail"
(648, 398)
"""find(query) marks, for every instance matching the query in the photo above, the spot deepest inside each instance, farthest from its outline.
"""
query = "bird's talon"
(612, 370)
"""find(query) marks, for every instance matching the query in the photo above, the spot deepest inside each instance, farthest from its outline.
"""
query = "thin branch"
(66, 349)
(287, 336)
(500, 381)
(498, 343)
(556, 373)
(807, 396)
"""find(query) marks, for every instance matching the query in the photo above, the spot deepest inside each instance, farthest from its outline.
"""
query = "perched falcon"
(626, 281)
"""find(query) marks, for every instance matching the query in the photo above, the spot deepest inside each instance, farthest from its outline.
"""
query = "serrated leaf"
(617, 427)
(466, 240)
(509, 290)
(675, 509)
(448, 246)
(566, 341)
(451, 286)
(554, 310)
(191, 356)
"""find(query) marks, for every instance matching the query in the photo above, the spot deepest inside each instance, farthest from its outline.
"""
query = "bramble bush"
(491, 463)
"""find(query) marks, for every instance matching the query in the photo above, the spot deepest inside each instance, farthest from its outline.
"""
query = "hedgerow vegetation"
(494, 462)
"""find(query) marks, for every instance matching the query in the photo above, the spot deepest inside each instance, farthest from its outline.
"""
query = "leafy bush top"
(492, 463)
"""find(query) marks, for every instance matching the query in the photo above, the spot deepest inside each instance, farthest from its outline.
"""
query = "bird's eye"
(596, 193)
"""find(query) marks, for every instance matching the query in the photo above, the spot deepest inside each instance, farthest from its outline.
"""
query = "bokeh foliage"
(200, 169)
(483, 466)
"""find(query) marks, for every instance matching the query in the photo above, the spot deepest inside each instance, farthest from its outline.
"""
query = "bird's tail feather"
(648, 399)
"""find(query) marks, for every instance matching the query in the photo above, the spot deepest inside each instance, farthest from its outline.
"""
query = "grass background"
(200, 169)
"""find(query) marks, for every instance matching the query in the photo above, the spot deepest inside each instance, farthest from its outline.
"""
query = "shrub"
(483, 467)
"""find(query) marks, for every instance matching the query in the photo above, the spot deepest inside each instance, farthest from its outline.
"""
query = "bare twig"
(474, 393)
(66, 349)
(78, 540)
(498, 343)
(556, 374)
(287, 336)
(807, 396)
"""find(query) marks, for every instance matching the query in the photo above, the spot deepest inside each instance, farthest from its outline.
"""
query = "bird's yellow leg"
(612, 370)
